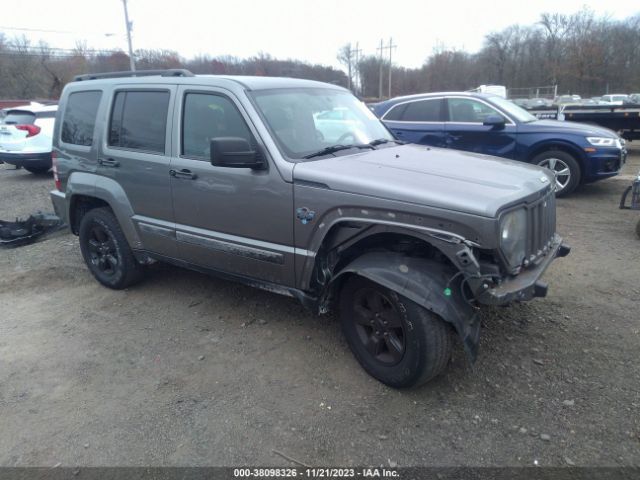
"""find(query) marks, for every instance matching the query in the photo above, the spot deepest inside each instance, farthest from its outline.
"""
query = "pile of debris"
(22, 232)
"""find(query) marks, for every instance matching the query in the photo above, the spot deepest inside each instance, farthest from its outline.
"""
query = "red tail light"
(54, 164)
(30, 129)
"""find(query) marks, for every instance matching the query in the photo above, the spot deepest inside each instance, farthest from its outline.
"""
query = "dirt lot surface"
(185, 369)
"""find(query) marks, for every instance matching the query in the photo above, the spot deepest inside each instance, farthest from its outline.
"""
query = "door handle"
(109, 162)
(184, 173)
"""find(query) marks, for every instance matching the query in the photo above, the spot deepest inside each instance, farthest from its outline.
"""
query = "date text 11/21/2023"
(321, 472)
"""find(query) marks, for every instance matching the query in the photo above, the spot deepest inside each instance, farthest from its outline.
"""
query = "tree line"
(581, 53)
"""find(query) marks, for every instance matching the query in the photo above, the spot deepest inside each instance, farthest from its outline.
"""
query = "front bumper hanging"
(527, 284)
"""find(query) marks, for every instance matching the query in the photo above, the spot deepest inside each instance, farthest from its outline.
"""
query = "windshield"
(513, 110)
(307, 120)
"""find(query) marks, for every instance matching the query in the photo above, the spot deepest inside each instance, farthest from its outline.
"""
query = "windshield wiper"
(337, 148)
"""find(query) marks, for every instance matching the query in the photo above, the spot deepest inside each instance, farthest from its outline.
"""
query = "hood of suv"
(556, 126)
(447, 179)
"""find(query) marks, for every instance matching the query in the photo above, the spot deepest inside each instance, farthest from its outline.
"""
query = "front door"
(234, 220)
(465, 129)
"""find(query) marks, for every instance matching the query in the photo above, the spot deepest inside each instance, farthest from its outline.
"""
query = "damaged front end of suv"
(489, 246)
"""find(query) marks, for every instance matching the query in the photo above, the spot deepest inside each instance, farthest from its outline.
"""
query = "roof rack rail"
(172, 72)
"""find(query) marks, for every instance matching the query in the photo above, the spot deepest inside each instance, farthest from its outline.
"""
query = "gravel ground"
(185, 369)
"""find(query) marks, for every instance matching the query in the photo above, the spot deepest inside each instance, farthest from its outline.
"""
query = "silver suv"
(296, 187)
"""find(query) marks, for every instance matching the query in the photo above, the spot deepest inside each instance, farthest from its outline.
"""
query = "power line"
(65, 32)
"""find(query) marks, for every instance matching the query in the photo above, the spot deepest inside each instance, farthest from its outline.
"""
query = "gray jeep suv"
(294, 186)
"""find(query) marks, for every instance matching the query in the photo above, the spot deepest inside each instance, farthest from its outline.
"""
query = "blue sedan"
(576, 153)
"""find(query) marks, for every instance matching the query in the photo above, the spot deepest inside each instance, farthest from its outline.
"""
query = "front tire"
(106, 251)
(565, 168)
(396, 341)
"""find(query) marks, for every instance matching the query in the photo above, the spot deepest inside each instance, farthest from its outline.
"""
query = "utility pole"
(349, 66)
(356, 53)
(381, 48)
(132, 63)
(391, 47)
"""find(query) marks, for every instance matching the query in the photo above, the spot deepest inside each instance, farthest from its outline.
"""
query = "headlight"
(602, 141)
(513, 236)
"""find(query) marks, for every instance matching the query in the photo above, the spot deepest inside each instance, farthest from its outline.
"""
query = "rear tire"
(564, 166)
(106, 251)
(396, 341)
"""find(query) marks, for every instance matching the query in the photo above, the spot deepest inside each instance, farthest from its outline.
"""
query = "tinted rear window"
(80, 118)
(19, 117)
(139, 120)
(423, 111)
(396, 112)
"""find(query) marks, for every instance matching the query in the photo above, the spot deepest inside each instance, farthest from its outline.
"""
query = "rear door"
(135, 153)
(465, 129)
(417, 121)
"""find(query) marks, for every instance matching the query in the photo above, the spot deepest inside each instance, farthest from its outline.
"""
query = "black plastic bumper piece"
(23, 232)
(540, 289)
(564, 250)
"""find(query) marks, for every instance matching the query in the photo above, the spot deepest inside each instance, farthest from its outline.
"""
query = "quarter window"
(466, 110)
(207, 116)
(139, 120)
(80, 118)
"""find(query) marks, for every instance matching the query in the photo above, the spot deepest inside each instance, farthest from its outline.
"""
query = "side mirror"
(235, 152)
(496, 121)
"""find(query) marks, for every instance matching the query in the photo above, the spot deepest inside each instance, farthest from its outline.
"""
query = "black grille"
(542, 226)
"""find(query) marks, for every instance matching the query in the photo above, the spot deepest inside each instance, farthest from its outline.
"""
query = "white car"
(26, 136)
(615, 99)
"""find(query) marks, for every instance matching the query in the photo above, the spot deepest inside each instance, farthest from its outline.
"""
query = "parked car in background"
(488, 124)
(235, 176)
(634, 98)
(615, 99)
(26, 136)
(538, 102)
(567, 100)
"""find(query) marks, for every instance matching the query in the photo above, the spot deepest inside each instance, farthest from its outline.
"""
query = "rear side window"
(19, 117)
(423, 111)
(396, 112)
(139, 120)
(80, 118)
(208, 116)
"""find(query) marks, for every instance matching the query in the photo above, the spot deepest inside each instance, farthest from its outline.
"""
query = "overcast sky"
(309, 30)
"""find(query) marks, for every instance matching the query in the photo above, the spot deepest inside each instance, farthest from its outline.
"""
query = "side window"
(80, 118)
(206, 116)
(467, 110)
(423, 111)
(139, 120)
(396, 112)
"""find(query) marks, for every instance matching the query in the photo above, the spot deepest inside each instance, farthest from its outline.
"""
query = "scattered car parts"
(23, 232)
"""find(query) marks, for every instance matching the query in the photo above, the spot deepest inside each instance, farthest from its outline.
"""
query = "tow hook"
(540, 288)
(563, 251)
